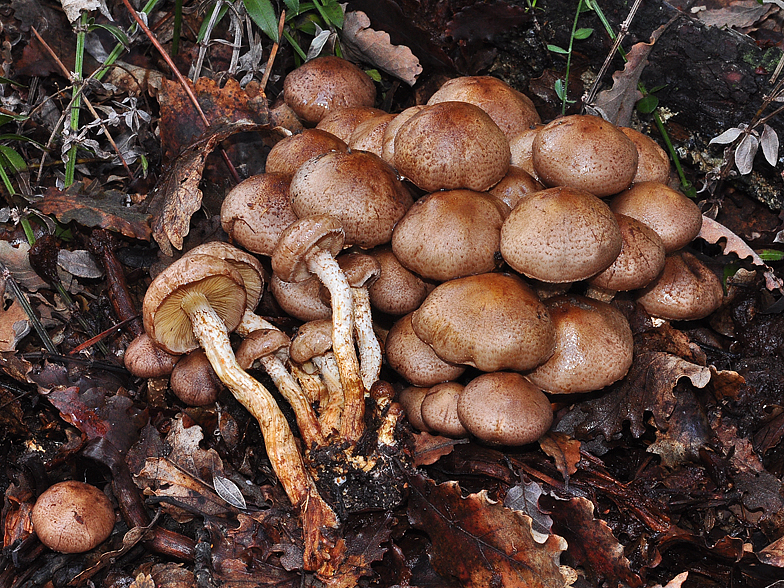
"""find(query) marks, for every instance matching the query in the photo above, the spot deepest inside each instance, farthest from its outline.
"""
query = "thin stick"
(273, 51)
(180, 78)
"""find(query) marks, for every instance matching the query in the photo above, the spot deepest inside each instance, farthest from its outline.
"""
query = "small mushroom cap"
(390, 132)
(452, 145)
(253, 275)
(593, 346)
(289, 153)
(653, 165)
(411, 400)
(504, 408)
(144, 359)
(640, 261)
(314, 338)
(686, 290)
(673, 215)
(585, 152)
(369, 135)
(257, 210)
(289, 259)
(165, 321)
(511, 110)
(522, 148)
(358, 188)
(72, 517)
(259, 344)
(414, 359)
(516, 185)
(439, 410)
(560, 235)
(490, 321)
(324, 84)
(361, 269)
(397, 290)
(194, 381)
(302, 300)
(450, 234)
(343, 121)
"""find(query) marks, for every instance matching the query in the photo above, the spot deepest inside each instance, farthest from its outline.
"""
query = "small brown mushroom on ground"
(289, 153)
(653, 165)
(411, 400)
(390, 132)
(585, 152)
(397, 290)
(341, 122)
(504, 408)
(686, 290)
(72, 517)
(194, 381)
(369, 135)
(515, 186)
(593, 346)
(302, 300)
(324, 84)
(144, 359)
(439, 410)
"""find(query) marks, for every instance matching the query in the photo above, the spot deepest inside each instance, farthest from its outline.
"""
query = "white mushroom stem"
(253, 322)
(309, 380)
(278, 439)
(369, 347)
(308, 424)
(330, 416)
(323, 264)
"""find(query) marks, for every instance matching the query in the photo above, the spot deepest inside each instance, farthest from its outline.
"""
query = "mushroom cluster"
(472, 247)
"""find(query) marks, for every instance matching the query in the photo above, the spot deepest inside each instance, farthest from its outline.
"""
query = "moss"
(766, 60)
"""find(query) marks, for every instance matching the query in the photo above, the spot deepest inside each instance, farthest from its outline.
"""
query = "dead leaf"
(14, 322)
(524, 497)
(713, 232)
(109, 211)
(773, 554)
(739, 14)
(177, 196)
(16, 258)
(362, 547)
(687, 431)
(564, 450)
(617, 103)
(369, 45)
(480, 542)
(134, 80)
(428, 449)
(592, 543)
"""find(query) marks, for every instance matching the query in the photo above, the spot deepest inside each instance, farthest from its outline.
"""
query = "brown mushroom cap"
(515, 186)
(397, 290)
(324, 84)
(369, 135)
(686, 290)
(390, 132)
(504, 408)
(560, 235)
(439, 410)
(674, 216)
(165, 321)
(452, 145)
(289, 153)
(259, 344)
(522, 148)
(312, 232)
(585, 152)
(257, 210)
(358, 188)
(411, 400)
(342, 121)
(253, 275)
(653, 165)
(414, 359)
(302, 300)
(144, 359)
(313, 338)
(194, 381)
(489, 321)
(511, 110)
(72, 517)
(593, 346)
(450, 234)
(640, 261)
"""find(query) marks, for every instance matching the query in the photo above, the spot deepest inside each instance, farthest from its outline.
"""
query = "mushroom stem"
(253, 322)
(323, 264)
(330, 416)
(369, 347)
(279, 441)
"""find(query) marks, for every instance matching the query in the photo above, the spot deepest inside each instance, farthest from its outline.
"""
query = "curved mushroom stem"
(330, 416)
(323, 264)
(278, 439)
(369, 347)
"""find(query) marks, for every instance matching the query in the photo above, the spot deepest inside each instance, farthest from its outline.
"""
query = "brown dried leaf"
(480, 542)
(14, 322)
(647, 387)
(428, 449)
(176, 196)
(143, 581)
(687, 431)
(16, 258)
(524, 497)
(617, 103)
(372, 46)
(564, 450)
(109, 211)
(360, 550)
(773, 554)
(592, 543)
(15, 366)
(713, 232)
(739, 14)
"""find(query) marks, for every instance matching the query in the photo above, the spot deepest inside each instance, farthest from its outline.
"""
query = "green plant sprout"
(562, 84)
